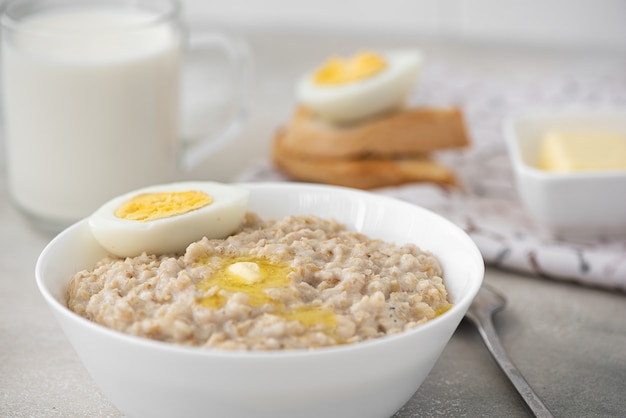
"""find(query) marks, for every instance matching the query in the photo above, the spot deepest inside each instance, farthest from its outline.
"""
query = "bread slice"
(362, 173)
(402, 132)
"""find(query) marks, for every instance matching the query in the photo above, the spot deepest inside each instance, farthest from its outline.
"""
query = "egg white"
(349, 102)
(128, 238)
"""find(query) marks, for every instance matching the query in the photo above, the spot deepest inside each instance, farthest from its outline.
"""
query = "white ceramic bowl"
(145, 378)
(568, 205)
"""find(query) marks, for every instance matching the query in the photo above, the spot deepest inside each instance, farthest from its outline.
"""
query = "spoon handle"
(488, 333)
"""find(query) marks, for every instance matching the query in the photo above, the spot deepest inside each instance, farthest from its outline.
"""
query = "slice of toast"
(362, 173)
(399, 133)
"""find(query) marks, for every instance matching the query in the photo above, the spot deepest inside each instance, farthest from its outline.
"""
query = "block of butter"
(582, 151)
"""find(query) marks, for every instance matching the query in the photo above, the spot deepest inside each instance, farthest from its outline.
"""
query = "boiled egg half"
(346, 90)
(167, 218)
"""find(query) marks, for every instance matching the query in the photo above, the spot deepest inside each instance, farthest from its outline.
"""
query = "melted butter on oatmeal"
(247, 270)
(443, 309)
(234, 276)
(253, 276)
(310, 316)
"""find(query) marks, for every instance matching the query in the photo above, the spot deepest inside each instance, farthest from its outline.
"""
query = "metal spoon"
(486, 303)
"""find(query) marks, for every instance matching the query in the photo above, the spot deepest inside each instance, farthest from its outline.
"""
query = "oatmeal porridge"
(298, 282)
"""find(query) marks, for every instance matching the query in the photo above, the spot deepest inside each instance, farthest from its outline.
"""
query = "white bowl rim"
(322, 351)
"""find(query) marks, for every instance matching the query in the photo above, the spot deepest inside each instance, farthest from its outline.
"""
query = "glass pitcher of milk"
(91, 101)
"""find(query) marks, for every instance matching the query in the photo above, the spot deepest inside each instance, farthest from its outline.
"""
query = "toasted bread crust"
(402, 132)
(361, 173)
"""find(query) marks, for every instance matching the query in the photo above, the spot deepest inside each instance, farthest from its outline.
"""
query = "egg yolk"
(338, 71)
(152, 206)
(252, 277)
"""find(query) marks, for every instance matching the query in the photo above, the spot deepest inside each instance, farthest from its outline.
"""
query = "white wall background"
(570, 23)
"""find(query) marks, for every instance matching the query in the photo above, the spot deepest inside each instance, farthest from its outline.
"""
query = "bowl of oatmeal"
(326, 301)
